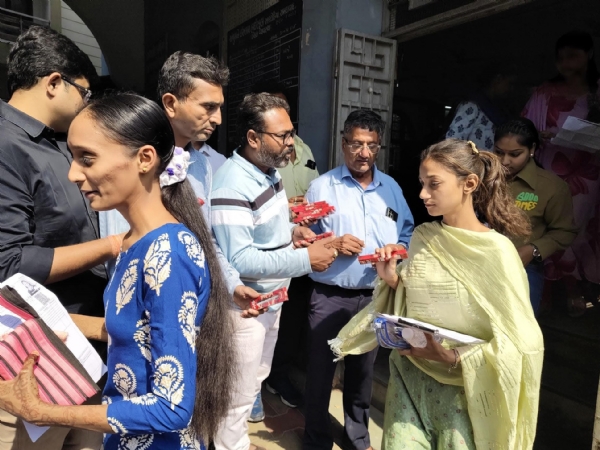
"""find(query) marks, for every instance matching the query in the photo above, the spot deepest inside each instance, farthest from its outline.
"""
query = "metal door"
(364, 75)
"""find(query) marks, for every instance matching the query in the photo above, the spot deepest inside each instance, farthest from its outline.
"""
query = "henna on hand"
(20, 397)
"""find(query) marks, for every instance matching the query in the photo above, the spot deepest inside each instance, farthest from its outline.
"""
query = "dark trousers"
(331, 308)
(292, 327)
(535, 276)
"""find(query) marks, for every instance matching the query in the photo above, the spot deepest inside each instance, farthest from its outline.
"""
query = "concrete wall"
(75, 29)
(119, 29)
(320, 22)
(239, 11)
(175, 25)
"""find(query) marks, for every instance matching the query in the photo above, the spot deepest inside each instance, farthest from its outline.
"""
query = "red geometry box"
(312, 211)
(318, 237)
(371, 259)
(273, 298)
(61, 378)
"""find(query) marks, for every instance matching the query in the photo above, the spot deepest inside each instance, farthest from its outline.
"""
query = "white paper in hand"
(56, 317)
(578, 134)
(459, 338)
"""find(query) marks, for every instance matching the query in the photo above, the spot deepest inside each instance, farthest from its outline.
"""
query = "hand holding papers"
(56, 317)
(66, 372)
(578, 134)
(391, 333)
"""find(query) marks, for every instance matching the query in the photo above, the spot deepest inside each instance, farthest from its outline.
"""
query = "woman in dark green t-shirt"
(544, 197)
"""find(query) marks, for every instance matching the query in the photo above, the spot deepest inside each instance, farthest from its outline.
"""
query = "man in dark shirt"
(47, 229)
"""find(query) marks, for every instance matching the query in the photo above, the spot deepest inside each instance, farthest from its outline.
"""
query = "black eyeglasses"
(86, 93)
(283, 137)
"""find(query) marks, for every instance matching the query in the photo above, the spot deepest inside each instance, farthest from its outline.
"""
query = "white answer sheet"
(56, 317)
(460, 338)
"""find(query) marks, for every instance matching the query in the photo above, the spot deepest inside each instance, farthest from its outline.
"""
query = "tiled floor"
(283, 427)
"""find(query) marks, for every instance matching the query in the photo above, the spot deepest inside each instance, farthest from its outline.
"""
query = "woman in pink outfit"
(574, 92)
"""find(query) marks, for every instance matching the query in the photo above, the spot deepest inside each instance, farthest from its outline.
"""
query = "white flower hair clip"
(176, 170)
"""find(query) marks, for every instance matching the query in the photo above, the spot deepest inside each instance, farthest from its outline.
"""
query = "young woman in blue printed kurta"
(170, 354)
(154, 303)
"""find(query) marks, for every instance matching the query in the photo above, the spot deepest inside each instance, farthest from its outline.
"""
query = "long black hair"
(583, 41)
(134, 121)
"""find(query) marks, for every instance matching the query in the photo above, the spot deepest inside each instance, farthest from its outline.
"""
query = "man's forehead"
(205, 92)
(362, 133)
(277, 119)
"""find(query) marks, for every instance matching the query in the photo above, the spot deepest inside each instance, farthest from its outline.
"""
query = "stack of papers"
(578, 134)
(54, 315)
(458, 338)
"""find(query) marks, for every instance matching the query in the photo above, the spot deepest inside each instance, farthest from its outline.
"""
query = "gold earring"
(145, 169)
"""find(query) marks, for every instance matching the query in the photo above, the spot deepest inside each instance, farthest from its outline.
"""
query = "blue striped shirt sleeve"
(234, 227)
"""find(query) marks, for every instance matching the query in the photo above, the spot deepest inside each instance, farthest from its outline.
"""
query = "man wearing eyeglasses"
(250, 219)
(47, 229)
(296, 177)
(370, 213)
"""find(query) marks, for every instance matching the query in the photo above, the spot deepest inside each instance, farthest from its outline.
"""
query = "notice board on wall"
(266, 47)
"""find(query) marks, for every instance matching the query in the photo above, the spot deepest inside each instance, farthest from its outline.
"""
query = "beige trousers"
(13, 436)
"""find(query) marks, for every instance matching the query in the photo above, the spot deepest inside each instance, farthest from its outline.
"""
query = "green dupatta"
(502, 377)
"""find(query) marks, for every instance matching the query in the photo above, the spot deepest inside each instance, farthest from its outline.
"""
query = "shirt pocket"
(386, 230)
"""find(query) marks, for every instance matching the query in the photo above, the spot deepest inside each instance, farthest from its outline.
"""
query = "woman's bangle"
(116, 241)
(454, 365)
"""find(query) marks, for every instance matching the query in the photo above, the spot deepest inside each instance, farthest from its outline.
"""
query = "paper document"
(56, 317)
(450, 335)
(578, 134)
(34, 431)
(54, 314)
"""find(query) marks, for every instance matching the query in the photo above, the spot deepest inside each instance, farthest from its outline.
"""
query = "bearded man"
(250, 220)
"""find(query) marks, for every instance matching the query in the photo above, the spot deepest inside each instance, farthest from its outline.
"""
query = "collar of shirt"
(263, 178)
(204, 150)
(529, 174)
(299, 149)
(31, 126)
(200, 177)
(345, 173)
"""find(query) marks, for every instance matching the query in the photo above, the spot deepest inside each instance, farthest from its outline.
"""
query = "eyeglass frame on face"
(284, 138)
(86, 93)
(356, 147)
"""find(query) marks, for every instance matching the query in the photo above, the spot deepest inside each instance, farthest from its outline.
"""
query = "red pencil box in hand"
(318, 237)
(312, 211)
(61, 378)
(308, 207)
(273, 298)
(375, 257)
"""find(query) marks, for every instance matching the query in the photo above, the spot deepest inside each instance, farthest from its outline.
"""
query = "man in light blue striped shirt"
(250, 219)
(370, 213)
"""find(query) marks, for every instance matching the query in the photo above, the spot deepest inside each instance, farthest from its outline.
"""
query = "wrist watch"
(536, 253)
